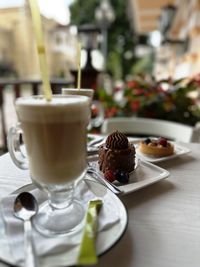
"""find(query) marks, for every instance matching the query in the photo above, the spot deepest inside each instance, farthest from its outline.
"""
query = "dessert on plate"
(117, 157)
(158, 147)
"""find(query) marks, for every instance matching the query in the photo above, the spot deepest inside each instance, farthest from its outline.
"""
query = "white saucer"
(106, 239)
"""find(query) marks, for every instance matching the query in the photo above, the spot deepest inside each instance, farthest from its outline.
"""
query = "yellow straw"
(79, 67)
(41, 48)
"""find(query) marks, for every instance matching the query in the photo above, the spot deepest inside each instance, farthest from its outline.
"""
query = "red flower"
(135, 105)
(132, 84)
(117, 89)
(94, 111)
(160, 89)
(111, 112)
(138, 91)
(147, 94)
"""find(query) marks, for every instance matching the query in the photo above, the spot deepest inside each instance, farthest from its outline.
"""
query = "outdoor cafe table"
(164, 218)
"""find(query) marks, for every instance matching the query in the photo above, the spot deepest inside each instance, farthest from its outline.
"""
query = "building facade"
(18, 47)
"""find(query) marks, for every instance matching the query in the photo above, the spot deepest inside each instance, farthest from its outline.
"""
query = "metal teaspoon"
(25, 207)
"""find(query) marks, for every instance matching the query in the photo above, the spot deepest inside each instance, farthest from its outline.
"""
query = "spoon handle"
(30, 255)
(97, 176)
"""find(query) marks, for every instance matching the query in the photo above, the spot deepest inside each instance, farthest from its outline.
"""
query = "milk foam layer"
(60, 108)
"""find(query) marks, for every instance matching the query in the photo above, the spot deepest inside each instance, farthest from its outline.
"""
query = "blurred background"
(141, 57)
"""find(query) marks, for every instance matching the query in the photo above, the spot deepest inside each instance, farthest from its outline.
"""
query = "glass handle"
(15, 148)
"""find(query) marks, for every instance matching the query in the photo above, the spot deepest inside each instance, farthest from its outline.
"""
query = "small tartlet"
(159, 147)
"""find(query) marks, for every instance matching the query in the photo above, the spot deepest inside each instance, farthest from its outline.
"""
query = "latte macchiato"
(55, 136)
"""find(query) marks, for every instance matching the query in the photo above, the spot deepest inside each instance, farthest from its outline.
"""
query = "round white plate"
(179, 150)
(106, 239)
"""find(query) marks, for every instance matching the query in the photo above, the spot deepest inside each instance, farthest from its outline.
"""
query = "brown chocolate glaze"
(117, 154)
(117, 140)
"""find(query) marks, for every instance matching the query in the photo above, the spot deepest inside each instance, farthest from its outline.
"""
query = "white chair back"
(152, 127)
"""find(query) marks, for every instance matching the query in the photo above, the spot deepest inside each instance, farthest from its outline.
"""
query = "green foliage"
(143, 65)
(114, 64)
(120, 35)
(83, 11)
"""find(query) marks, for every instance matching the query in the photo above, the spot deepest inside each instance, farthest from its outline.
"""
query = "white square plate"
(145, 174)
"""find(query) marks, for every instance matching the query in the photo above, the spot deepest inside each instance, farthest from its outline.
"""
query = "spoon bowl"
(25, 206)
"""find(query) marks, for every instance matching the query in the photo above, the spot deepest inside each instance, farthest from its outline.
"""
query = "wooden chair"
(152, 127)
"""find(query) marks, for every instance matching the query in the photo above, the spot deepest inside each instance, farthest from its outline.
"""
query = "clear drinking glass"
(97, 112)
(54, 134)
(82, 91)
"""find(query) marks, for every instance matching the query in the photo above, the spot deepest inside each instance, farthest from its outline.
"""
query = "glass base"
(51, 221)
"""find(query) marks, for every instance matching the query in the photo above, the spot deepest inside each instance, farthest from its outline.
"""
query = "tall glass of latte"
(54, 133)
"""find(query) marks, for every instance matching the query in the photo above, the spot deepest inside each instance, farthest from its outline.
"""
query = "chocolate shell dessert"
(117, 154)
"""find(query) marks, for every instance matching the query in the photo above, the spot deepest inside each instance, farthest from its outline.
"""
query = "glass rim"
(81, 89)
(22, 100)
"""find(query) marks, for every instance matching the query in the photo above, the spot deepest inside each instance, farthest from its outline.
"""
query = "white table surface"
(164, 218)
